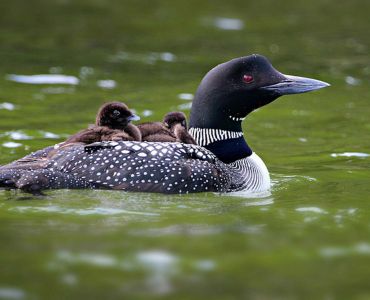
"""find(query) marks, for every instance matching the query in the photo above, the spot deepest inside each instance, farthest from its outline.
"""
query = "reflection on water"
(17, 135)
(7, 106)
(279, 181)
(198, 230)
(186, 96)
(148, 58)
(80, 212)
(311, 209)
(21, 135)
(333, 252)
(229, 24)
(10, 293)
(11, 145)
(350, 154)
(106, 84)
(58, 90)
(98, 260)
(161, 265)
(352, 80)
(44, 79)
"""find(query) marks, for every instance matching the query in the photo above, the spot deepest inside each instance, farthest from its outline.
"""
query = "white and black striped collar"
(206, 136)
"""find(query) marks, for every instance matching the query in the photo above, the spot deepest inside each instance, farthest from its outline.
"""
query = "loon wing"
(132, 166)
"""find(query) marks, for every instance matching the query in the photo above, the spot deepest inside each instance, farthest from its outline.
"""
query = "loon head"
(173, 118)
(230, 91)
(115, 115)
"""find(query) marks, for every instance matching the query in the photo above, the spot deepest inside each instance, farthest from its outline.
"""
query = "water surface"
(309, 238)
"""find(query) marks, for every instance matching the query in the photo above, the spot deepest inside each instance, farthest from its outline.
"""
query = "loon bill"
(221, 162)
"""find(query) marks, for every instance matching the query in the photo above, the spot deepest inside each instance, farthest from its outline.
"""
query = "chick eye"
(116, 113)
(248, 78)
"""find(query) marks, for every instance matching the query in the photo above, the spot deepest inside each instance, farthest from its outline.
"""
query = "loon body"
(221, 162)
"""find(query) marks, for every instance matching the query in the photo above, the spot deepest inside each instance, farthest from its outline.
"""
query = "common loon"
(112, 124)
(221, 162)
(172, 129)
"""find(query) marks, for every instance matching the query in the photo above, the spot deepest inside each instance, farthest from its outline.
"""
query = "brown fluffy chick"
(112, 124)
(172, 129)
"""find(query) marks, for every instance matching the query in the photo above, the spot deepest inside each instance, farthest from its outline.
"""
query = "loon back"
(141, 167)
(221, 162)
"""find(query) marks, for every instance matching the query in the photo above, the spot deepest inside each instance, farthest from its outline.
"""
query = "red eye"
(247, 78)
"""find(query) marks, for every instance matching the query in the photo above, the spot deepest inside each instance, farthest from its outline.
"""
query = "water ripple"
(332, 252)
(44, 79)
(149, 58)
(7, 106)
(11, 145)
(228, 24)
(10, 293)
(186, 96)
(80, 211)
(350, 154)
(106, 84)
(197, 230)
(313, 209)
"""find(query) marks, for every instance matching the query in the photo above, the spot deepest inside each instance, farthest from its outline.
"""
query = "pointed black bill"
(295, 85)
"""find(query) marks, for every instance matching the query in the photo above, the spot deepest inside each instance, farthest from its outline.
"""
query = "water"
(309, 238)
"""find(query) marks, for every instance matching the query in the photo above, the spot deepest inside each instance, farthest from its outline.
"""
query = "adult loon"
(221, 162)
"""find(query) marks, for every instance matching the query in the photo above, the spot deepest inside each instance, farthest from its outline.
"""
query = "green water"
(308, 239)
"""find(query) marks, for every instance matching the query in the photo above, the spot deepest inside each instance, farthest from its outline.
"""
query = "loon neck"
(216, 124)
(227, 145)
(230, 150)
